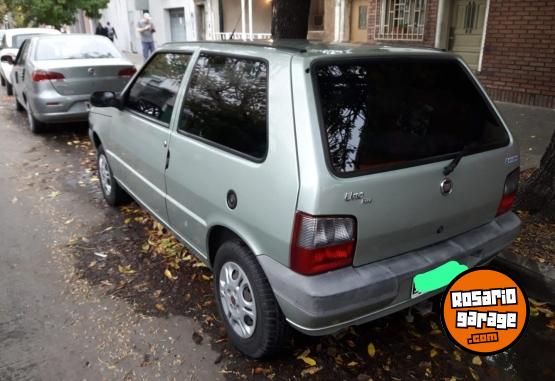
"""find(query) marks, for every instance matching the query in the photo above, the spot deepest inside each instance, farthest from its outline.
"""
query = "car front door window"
(155, 89)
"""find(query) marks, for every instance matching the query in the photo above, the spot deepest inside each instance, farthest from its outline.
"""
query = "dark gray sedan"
(54, 76)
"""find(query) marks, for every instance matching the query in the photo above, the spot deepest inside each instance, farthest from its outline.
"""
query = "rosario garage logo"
(484, 311)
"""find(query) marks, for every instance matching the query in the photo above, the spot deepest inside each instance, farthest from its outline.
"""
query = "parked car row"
(11, 42)
(316, 181)
(52, 76)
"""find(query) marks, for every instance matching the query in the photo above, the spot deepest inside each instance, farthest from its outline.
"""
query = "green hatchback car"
(317, 181)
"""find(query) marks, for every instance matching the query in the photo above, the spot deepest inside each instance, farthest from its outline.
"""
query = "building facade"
(510, 44)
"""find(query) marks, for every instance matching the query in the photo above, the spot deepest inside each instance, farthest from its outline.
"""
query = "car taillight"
(322, 243)
(509, 192)
(41, 75)
(127, 72)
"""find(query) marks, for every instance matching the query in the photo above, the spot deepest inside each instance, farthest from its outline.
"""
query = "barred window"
(400, 20)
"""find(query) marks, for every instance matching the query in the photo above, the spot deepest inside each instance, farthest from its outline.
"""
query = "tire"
(35, 126)
(9, 89)
(269, 330)
(113, 193)
(18, 105)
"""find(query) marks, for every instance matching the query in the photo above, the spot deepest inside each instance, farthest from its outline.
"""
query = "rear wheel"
(35, 126)
(113, 193)
(247, 305)
(9, 89)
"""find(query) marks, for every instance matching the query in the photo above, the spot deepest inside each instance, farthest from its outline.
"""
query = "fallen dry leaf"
(371, 350)
(473, 373)
(308, 360)
(433, 353)
(197, 338)
(310, 371)
(476, 360)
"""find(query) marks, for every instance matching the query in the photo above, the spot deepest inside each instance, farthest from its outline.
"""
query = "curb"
(538, 279)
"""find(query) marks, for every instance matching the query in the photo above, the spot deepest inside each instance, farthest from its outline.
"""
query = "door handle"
(165, 143)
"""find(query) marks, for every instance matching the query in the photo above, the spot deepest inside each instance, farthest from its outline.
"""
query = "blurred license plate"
(436, 278)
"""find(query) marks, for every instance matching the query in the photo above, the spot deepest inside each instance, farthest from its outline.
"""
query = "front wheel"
(253, 319)
(113, 193)
(18, 105)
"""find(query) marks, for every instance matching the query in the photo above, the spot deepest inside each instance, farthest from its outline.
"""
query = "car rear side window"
(382, 114)
(154, 91)
(226, 103)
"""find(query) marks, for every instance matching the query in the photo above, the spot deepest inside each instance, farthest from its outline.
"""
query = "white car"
(11, 42)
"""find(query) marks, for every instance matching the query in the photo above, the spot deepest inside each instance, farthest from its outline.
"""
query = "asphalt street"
(52, 325)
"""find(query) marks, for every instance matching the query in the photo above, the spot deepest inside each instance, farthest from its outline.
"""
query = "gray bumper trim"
(325, 303)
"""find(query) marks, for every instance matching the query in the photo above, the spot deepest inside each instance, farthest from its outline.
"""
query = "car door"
(139, 138)
(19, 71)
(218, 143)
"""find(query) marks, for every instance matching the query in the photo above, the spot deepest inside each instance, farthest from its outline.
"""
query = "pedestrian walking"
(100, 30)
(145, 27)
(111, 31)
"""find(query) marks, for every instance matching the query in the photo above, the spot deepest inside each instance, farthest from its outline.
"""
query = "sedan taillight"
(322, 243)
(509, 192)
(41, 75)
(127, 72)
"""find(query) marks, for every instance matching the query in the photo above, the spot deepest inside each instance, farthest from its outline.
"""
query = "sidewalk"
(532, 128)
(136, 58)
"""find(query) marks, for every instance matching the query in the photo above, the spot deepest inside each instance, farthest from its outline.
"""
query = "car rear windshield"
(67, 48)
(19, 39)
(383, 114)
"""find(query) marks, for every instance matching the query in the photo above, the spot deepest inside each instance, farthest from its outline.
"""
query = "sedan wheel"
(34, 125)
(237, 299)
(105, 178)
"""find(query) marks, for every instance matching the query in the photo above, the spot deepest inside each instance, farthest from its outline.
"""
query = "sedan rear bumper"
(51, 107)
(326, 303)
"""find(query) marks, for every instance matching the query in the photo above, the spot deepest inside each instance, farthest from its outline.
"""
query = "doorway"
(467, 29)
(200, 22)
(177, 24)
(359, 21)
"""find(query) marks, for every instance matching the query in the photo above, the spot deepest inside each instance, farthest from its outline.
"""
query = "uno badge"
(484, 311)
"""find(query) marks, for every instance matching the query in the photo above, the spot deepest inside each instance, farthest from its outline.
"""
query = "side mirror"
(105, 99)
(7, 59)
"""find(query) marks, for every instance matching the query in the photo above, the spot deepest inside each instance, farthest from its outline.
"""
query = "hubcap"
(104, 170)
(237, 299)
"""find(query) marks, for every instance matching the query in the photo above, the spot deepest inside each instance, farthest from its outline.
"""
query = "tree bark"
(290, 19)
(538, 193)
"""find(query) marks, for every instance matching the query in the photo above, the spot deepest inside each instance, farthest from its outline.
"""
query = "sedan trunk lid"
(85, 76)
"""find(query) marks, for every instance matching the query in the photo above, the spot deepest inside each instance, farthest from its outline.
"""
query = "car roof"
(16, 31)
(302, 48)
(69, 35)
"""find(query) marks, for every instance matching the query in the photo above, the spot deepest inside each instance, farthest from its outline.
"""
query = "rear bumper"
(326, 303)
(51, 107)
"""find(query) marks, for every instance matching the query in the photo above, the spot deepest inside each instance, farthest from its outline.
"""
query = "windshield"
(83, 47)
(19, 39)
(381, 114)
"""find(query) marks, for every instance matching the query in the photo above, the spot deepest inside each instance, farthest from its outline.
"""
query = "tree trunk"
(290, 19)
(538, 193)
